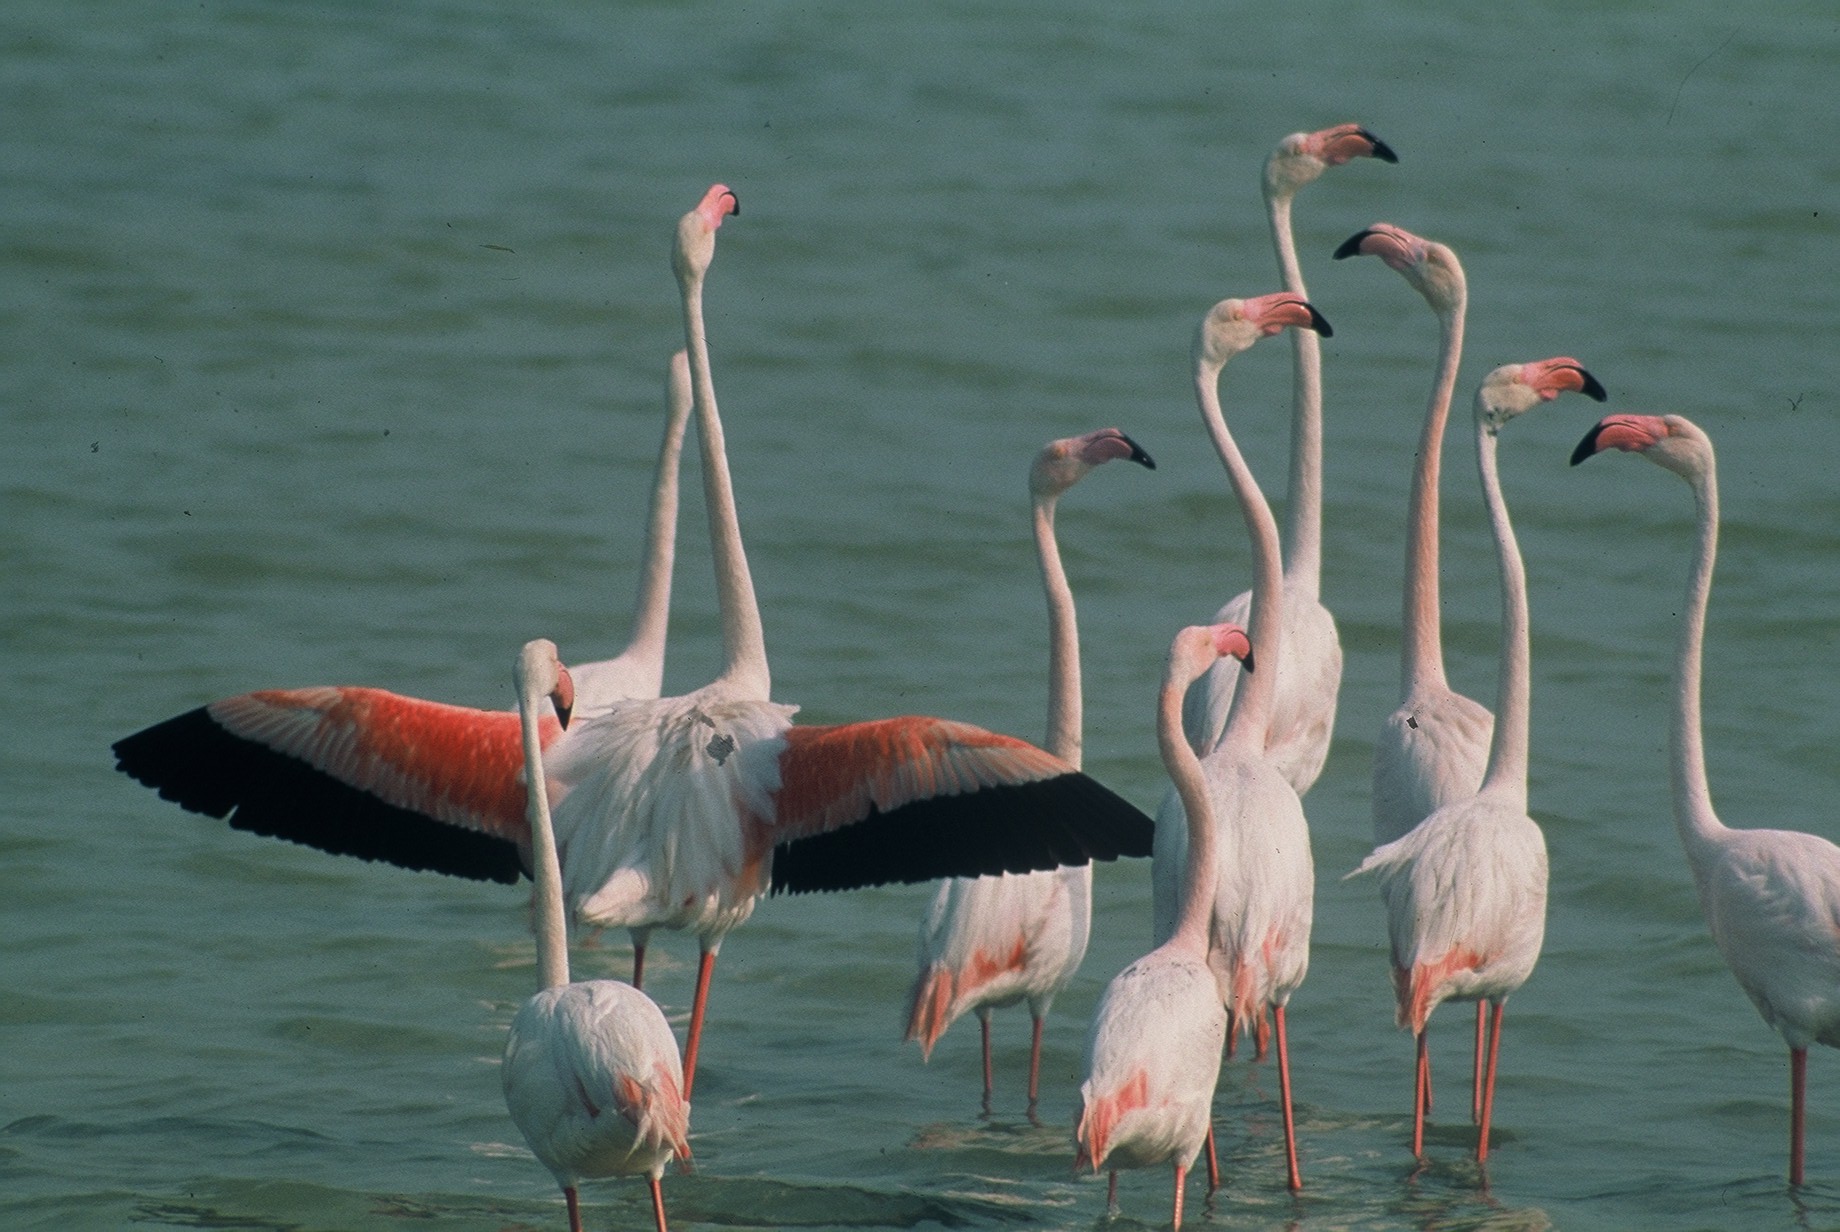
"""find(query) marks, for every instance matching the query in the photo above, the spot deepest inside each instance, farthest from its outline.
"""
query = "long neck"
(1197, 901)
(1251, 714)
(743, 643)
(546, 866)
(1422, 651)
(1303, 503)
(651, 615)
(1508, 746)
(1693, 813)
(1064, 715)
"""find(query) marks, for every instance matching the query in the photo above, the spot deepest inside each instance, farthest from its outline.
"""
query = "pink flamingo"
(1264, 895)
(1309, 676)
(1771, 897)
(676, 812)
(988, 942)
(1153, 1057)
(1465, 889)
(591, 1072)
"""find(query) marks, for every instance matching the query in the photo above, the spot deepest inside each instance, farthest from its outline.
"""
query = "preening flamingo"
(591, 1072)
(1153, 1057)
(1465, 889)
(1264, 895)
(1771, 897)
(1309, 675)
(988, 942)
(677, 812)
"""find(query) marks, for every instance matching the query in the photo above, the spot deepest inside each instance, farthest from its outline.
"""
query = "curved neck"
(1508, 746)
(743, 643)
(1422, 650)
(1251, 714)
(1196, 912)
(1693, 813)
(1303, 501)
(1064, 715)
(652, 610)
(551, 924)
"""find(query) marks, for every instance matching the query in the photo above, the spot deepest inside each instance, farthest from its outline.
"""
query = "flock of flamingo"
(627, 808)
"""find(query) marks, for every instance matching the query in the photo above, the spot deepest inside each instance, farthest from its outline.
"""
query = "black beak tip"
(1382, 150)
(1351, 246)
(1587, 446)
(1320, 323)
(1593, 388)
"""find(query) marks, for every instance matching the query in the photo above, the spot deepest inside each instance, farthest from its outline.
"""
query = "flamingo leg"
(1475, 1099)
(658, 1203)
(1232, 1034)
(1034, 1061)
(1798, 1104)
(574, 1204)
(1111, 1192)
(1488, 1090)
(1284, 1090)
(1213, 1161)
(705, 967)
(1175, 1220)
(638, 980)
(1421, 1096)
(984, 1036)
(1261, 1036)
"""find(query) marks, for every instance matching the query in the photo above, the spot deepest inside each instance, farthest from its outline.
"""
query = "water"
(333, 341)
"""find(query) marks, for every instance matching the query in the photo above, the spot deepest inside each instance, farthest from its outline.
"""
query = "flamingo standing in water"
(1309, 676)
(988, 942)
(591, 1072)
(1771, 897)
(1465, 889)
(1432, 749)
(1264, 895)
(676, 812)
(1153, 1057)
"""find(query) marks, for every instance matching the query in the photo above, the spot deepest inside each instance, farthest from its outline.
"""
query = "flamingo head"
(1514, 389)
(1670, 441)
(1301, 157)
(1063, 463)
(1233, 325)
(696, 231)
(540, 674)
(1198, 647)
(1431, 268)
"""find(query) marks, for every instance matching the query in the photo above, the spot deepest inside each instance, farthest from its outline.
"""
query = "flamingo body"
(1430, 751)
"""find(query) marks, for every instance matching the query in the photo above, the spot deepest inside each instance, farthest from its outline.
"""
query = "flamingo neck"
(1693, 813)
(1422, 651)
(1303, 503)
(1195, 915)
(1507, 766)
(1250, 717)
(652, 610)
(743, 642)
(551, 923)
(1064, 695)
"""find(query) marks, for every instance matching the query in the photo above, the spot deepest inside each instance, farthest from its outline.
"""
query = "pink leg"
(1284, 1090)
(1175, 1220)
(658, 1203)
(1213, 1161)
(705, 967)
(1488, 1089)
(1421, 1096)
(1034, 1062)
(1261, 1036)
(1798, 1104)
(1475, 1098)
(1232, 1034)
(574, 1205)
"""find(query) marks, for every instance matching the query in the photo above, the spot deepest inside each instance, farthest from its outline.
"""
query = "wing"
(914, 799)
(358, 772)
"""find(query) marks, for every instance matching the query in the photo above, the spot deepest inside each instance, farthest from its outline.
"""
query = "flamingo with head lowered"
(679, 812)
(591, 1072)
(1153, 1056)
(1771, 897)
(988, 942)
(1309, 675)
(1465, 889)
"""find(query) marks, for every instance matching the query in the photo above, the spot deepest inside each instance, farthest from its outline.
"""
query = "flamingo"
(1310, 673)
(679, 812)
(1771, 897)
(1265, 891)
(1153, 1056)
(1465, 889)
(988, 942)
(591, 1072)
